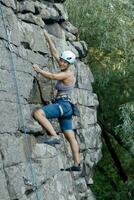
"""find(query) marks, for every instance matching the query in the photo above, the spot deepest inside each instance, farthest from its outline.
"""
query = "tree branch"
(113, 154)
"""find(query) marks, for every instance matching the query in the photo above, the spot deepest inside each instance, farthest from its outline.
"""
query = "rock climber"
(60, 107)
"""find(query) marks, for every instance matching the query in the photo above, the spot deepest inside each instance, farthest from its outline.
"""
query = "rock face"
(29, 169)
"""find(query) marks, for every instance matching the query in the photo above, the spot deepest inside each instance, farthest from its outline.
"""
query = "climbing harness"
(21, 116)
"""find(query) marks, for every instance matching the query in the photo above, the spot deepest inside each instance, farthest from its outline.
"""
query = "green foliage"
(108, 28)
(126, 128)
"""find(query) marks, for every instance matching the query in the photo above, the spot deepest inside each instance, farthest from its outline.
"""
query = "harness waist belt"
(63, 96)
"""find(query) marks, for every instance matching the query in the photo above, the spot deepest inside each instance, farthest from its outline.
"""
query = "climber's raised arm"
(52, 47)
(49, 75)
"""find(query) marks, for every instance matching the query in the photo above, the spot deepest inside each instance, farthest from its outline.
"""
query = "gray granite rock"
(16, 185)
(89, 195)
(11, 20)
(81, 185)
(26, 6)
(9, 90)
(62, 11)
(4, 194)
(69, 27)
(56, 30)
(84, 97)
(30, 18)
(10, 144)
(91, 137)
(28, 55)
(60, 190)
(33, 35)
(84, 77)
(9, 117)
(49, 13)
(93, 156)
(30, 47)
(89, 116)
(70, 36)
(81, 48)
(8, 3)
(28, 33)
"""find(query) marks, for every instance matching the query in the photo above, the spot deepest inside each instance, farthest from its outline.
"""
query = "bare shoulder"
(70, 78)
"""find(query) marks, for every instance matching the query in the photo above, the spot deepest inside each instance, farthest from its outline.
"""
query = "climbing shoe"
(52, 140)
(74, 168)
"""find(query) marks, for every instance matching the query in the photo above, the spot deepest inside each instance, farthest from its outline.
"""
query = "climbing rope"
(20, 110)
(53, 64)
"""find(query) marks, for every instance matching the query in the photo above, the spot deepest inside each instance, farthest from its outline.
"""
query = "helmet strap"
(65, 69)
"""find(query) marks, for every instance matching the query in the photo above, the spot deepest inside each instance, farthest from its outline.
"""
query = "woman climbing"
(60, 108)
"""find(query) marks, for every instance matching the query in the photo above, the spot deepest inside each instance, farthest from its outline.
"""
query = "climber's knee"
(37, 113)
(69, 135)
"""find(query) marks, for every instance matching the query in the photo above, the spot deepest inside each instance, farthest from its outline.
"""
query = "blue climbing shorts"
(61, 109)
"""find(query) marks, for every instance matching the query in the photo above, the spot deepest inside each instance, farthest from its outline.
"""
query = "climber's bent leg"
(70, 136)
(66, 125)
(39, 115)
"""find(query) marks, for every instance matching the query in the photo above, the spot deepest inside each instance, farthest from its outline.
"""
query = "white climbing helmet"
(68, 56)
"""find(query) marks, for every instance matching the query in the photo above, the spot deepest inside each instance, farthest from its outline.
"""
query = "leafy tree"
(108, 29)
